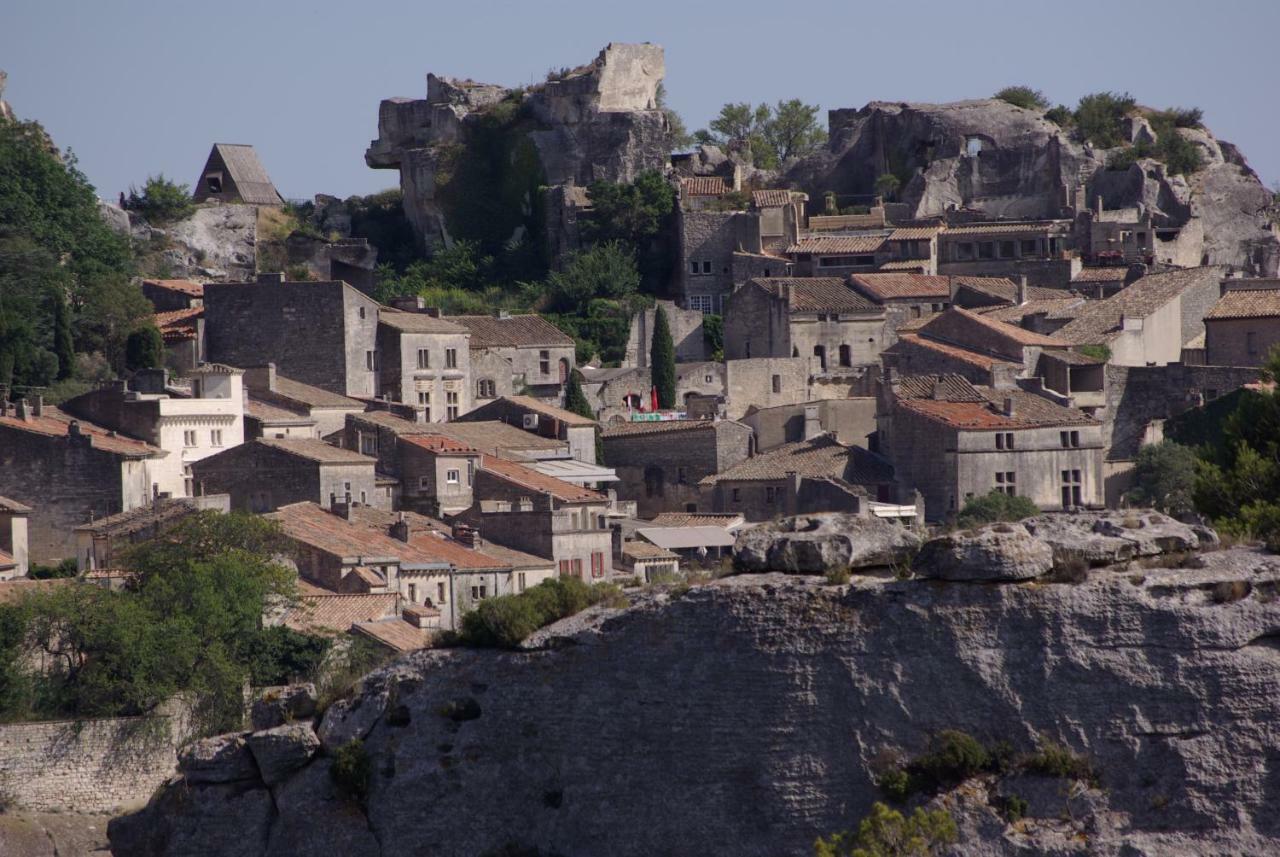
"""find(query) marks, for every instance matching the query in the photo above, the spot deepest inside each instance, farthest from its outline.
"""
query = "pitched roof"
(438, 443)
(1053, 308)
(998, 228)
(837, 244)
(697, 519)
(309, 524)
(541, 407)
(394, 633)
(704, 186)
(915, 266)
(13, 507)
(515, 331)
(163, 511)
(526, 477)
(178, 325)
(817, 294)
(1099, 321)
(1020, 335)
(645, 550)
(313, 449)
(55, 423)
(434, 539)
(1246, 303)
(252, 181)
(770, 197)
(1005, 289)
(417, 322)
(1029, 411)
(951, 387)
(7, 561)
(303, 394)
(337, 613)
(890, 286)
(268, 412)
(820, 456)
(915, 233)
(1100, 275)
(623, 428)
(973, 358)
(496, 438)
(682, 538)
(186, 287)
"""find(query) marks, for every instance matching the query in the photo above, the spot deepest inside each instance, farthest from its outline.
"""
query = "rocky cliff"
(1012, 162)
(747, 716)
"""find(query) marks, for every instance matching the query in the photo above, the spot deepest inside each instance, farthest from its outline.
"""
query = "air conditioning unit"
(530, 422)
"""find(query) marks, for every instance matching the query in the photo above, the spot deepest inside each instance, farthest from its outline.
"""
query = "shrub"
(161, 201)
(1098, 117)
(1069, 567)
(505, 621)
(896, 784)
(1014, 808)
(144, 349)
(1056, 760)
(837, 575)
(953, 757)
(66, 568)
(995, 506)
(352, 770)
(1061, 116)
(1024, 96)
(1164, 478)
(886, 832)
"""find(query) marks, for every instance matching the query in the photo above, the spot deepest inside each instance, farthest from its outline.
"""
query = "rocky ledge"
(749, 715)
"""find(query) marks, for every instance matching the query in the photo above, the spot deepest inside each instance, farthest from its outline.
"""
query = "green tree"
(887, 186)
(1164, 478)
(1098, 117)
(144, 349)
(995, 506)
(63, 345)
(662, 360)
(739, 122)
(606, 270)
(574, 399)
(629, 212)
(713, 336)
(793, 131)
(161, 201)
(886, 832)
(1024, 96)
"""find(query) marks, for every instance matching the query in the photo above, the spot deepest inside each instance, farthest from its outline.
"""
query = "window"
(188, 483)
(737, 495)
(986, 250)
(440, 599)
(424, 399)
(471, 471)
(451, 405)
(1006, 250)
(820, 352)
(451, 358)
(564, 568)
(1250, 343)
(822, 316)
(846, 355)
(702, 303)
(682, 476)
(189, 438)
(964, 250)
(693, 267)
(597, 564)
(215, 437)
(368, 444)
(577, 568)
(371, 360)
(544, 362)
(363, 500)
(486, 389)
(1005, 482)
(1075, 438)
(213, 182)
(768, 493)
(452, 477)
(413, 592)
(999, 440)
(424, 482)
(777, 383)
(706, 266)
(478, 593)
(520, 581)
(1071, 489)
(707, 379)
(1008, 440)
(424, 358)
(1028, 247)
(362, 312)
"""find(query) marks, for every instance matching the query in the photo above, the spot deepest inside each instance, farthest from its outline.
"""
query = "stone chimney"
(466, 534)
(937, 394)
(1022, 289)
(37, 406)
(400, 528)
(342, 508)
(812, 422)
(261, 377)
(1008, 406)
(20, 411)
(408, 303)
(1098, 205)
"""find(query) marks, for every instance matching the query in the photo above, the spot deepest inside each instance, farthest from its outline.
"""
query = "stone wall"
(660, 471)
(686, 333)
(765, 382)
(87, 765)
(707, 236)
(1240, 341)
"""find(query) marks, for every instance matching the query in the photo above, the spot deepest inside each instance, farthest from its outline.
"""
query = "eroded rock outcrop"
(747, 716)
(813, 544)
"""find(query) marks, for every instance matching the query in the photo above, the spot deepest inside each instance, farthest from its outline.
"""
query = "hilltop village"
(937, 305)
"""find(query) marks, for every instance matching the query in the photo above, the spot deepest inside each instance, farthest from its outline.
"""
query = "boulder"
(813, 544)
(278, 705)
(282, 750)
(220, 759)
(1106, 538)
(997, 552)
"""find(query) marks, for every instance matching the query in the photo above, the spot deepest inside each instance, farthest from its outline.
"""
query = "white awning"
(683, 538)
(574, 471)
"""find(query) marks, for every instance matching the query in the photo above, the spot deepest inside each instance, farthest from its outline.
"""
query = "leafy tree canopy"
(777, 133)
(1164, 478)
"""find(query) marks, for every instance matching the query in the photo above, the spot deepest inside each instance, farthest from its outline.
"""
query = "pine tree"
(662, 360)
(63, 344)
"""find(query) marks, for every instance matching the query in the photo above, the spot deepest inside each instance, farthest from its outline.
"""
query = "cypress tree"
(144, 349)
(574, 399)
(662, 360)
(63, 344)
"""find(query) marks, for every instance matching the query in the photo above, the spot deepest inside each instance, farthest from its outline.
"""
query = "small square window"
(706, 267)
(453, 477)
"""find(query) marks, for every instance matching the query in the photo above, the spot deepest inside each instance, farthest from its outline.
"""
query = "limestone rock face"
(1106, 538)
(221, 759)
(216, 243)
(277, 705)
(746, 717)
(812, 544)
(282, 750)
(997, 552)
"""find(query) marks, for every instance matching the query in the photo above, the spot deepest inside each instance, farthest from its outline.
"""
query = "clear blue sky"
(144, 86)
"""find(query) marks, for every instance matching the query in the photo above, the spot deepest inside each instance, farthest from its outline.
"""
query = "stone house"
(188, 426)
(540, 354)
(15, 552)
(816, 475)
(173, 295)
(491, 377)
(1243, 327)
(952, 441)
(903, 296)
(319, 333)
(1150, 321)
(851, 421)
(1103, 282)
(817, 255)
(549, 421)
(646, 561)
(520, 508)
(765, 382)
(1120, 236)
(265, 474)
(69, 471)
(819, 316)
(281, 407)
(100, 542)
(660, 464)
(619, 392)
(233, 173)
(436, 474)
(686, 335)
(1040, 250)
(183, 334)
(425, 361)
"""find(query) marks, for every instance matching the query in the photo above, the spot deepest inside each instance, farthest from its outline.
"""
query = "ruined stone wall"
(87, 765)
(756, 324)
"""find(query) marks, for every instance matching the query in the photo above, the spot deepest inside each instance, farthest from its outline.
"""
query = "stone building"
(1040, 250)
(265, 474)
(952, 441)
(233, 173)
(815, 475)
(765, 382)
(69, 471)
(1243, 327)
(617, 393)
(659, 464)
(425, 361)
(541, 355)
(319, 333)
(549, 421)
(100, 543)
(819, 317)
(436, 474)
(686, 335)
(15, 549)
(188, 426)
(903, 296)
(851, 421)
(281, 407)
(173, 295)
(1103, 282)
(528, 511)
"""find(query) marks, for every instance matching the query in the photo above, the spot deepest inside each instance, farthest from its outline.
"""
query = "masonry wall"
(1240, 341)
(401, 378)
(751, 382)
(756, 324)
(488, 367)
(1050, 273)
(87, 766)
(707, 236)
(912, 359)
(686, 334)
(863, 336)
(424, 481)
(661, 471)
(1038, 459)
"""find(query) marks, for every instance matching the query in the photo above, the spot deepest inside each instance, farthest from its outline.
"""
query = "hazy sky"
(137, 87)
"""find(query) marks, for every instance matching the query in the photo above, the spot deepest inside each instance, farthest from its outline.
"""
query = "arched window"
(564, 370)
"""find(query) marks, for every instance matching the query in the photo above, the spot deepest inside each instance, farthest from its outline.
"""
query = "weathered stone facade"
(686, 334)
(765, 382)
(264, 475)
(425, 362)
(659, 465)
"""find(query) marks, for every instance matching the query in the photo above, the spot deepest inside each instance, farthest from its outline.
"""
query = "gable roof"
(186, 287)
(434, 539)
(525, 477)
(964, 355)
(994, 327)
(253, 185)
(999, 228)
(54, 423)
(704, 186)
(1100, 321)
(540, 407)
(837, 244)
(515, 331)
(13, 507)
(417, 322)
(298, 393)
(915, 233)
(313, 449)
(1100, 275)
(770, 197)
(337, 613)
(628, 428)
(1029, 411)
(822, 456)
(179, 325)
(1246, 303)
(950, 387)
(1050, 308)
(1005, 289)
(901, 285)
(438, 443)
(496, 438)
(311, 525)
(162, 511)
(817, 294)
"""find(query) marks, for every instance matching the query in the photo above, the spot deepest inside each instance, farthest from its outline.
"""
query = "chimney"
(37, 406)
(261, 377)
(502, 313)
(812, 422)
(73, 428)
(938, 395)
(1008, 406)
(1022, 290)
(1098, 205)
(433, 311)
(408, 303)
(20, 411)
(400, 528)
(342, 508)
(466, 534)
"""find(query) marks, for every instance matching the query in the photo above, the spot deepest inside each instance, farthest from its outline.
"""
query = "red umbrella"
(653, 397)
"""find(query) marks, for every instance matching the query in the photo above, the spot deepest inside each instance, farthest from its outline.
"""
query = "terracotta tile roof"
(998, 228)
(55, 423)
(822, 456)
(1030, 411)
(1247, 303)
(914, 233)
(1050, 308)
(337, 613)
(270, 413)
(395, 634)
(704, 186)
(516, 331)
(1100, 275)
(625, 428)
(497, 438)
(315, 450)
(540, 407)
(13, 506)
(178, 325)
(1020, 335)
(646, 550)
(308, 524)
(164, 511)
(952, 388)
(973, 358)
(911, 325)
(186, 287)
(437, 443)
(1099, 321)
(525, 477)
(837, 244)
(432, 538)
(915, 266)
(417, 322)
(1005, 289)
(770, 197)
(399, 425)
(818, 294)
(696, 519)
(890, 286)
